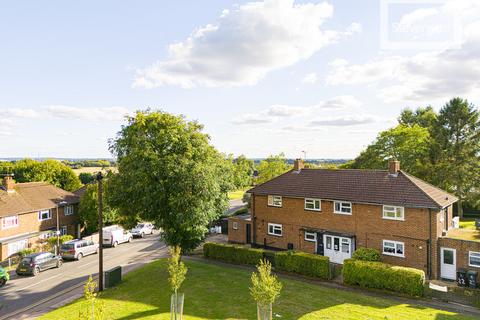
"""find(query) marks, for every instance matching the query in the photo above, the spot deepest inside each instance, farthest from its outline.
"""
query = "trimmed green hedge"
(303, 263)
(366, 254)
(230, 253)
(380, 275)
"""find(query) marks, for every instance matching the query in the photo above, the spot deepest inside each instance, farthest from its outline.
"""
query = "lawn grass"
(467, 224)
(237, 195)
(219, 292)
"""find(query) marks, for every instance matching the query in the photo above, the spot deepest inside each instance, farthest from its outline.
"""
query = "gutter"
(429, 245)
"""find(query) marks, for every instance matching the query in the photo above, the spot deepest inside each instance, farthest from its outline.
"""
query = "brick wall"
(462, 248)
(238, 235)
(366, 223)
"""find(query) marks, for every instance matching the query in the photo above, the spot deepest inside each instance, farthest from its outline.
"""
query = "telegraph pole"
(100, 230)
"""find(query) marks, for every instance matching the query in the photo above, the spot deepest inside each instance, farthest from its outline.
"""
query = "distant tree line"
(441, 148)
(77, 164)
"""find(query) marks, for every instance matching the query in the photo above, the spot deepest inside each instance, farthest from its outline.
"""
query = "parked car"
(4, 277)
(36, 262)
(142, 229)
(77, 249)
(114, 235)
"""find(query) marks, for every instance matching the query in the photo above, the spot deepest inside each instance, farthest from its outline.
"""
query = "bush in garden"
(231, 253)
(366, 254)
(308, 264)
(378, 275)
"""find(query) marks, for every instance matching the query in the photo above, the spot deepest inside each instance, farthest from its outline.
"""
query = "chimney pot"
(298, 165)
(8, 183)
(393, 166)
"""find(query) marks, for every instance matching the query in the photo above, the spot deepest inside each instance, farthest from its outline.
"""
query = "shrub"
(231, 253)
(25, 252)
(303, 263)
(380, 275)
(366, 254)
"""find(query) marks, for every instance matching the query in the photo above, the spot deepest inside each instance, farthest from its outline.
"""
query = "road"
(235, 205)
(25, 297)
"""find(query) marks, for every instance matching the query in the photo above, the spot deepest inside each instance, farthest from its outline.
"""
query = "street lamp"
(61, 203)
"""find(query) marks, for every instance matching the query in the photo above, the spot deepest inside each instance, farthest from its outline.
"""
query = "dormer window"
(275, 201)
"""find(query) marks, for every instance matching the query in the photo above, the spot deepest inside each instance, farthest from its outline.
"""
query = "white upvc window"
(275, 201)
(474, 259)
(275, 229)
(313, 204)
(63, 230)
(9, 222)
(235, 225)
(310, 236)
(393, 248)
(393, 213)
(342, 207)
(44, 215)
(68, 210)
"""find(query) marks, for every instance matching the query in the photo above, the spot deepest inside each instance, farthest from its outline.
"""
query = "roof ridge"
(411, 177)
(346, 169)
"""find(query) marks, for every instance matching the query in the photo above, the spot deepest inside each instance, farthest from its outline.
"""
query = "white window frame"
(40, 213)
(235, 225)
(313, 202)
(402, 210)
(309, 234)
(341, 203)
(275, 201)
(17, 246)
(15, 218)
(68, 210)
(395, 244)
(470, 254)
(275, 227)
(63, 230)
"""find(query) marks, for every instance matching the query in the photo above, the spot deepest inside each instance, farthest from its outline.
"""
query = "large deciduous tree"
(243, 172)
(272, 167)
(457, 137)
(168, 173)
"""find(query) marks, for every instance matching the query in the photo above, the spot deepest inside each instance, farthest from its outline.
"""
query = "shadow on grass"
(221, 292)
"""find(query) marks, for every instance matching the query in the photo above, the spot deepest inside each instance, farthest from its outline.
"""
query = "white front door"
(448, 263)
(337, 248)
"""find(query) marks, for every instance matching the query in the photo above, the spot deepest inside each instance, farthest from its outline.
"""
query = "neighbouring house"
(333, 212)
(29, 212)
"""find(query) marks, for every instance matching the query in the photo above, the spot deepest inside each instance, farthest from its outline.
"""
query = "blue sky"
(263, 77)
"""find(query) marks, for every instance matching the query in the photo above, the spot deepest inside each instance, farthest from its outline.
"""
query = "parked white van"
(114, 235)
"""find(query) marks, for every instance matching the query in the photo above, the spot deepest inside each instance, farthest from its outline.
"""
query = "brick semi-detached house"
(28, 214)
(333, 212)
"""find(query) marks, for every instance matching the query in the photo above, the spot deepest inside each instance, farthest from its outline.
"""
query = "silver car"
(77, 249)
(142, 229)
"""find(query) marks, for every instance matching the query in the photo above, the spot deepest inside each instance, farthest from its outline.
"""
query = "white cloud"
(339, 102)
(248, 42)
(68, 112)
(252, 118)
(344, 121)
(310, 78)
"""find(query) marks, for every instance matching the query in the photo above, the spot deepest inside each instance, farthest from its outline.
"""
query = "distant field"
(92, 169)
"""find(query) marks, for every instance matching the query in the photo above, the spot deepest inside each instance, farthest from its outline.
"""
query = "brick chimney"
(8, 183)
(298, 165)
(393, 166)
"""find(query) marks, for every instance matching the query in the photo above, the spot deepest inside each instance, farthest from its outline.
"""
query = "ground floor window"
(310, 236)
(275, 229)
(393, 248)
(17, 246)
(474, 259)
(235, 225)
(63, 230)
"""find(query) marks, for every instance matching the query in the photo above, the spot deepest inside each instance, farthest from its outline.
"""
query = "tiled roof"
(33, 196)
(356, 185)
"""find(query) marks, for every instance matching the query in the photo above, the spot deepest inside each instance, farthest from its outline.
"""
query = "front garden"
(222, 292)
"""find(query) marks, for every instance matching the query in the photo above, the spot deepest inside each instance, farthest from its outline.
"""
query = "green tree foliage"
(168, 173)
(423, 117)
(272, 167)
(176, 269)
(265, 287)
(457, 137)
(51, 171)
(86, 177)
(94, 307)
(243, 172)
(88, 208)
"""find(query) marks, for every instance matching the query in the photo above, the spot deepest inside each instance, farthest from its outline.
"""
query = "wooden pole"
(100, 231)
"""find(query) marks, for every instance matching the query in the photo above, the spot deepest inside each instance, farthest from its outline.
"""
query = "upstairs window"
(393, 213)
(44, 215)
(275, 201)
(342, 207)
(275, 229)
(312, 204)
(68, 210)
(393, 248)
(9, 222)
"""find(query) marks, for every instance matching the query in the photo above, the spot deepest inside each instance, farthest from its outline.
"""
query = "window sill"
(272, 206)
(314, 210)
(275, 235)
(393, 219)
(393, 255)
(344, 213)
